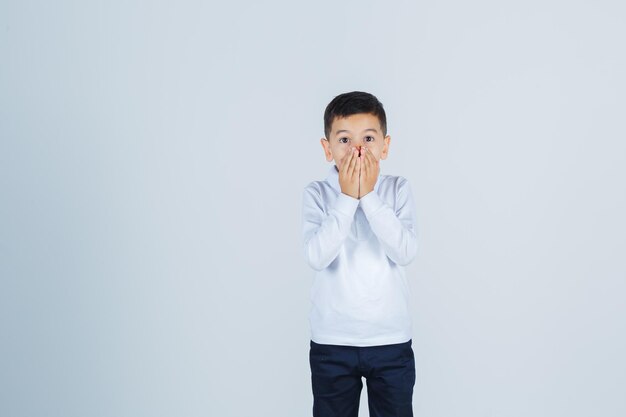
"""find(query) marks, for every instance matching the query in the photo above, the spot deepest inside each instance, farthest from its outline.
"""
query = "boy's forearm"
(395, 232)
(324, 234)
(323, 247)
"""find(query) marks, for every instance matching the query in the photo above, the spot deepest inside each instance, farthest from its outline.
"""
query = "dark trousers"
(336, 373)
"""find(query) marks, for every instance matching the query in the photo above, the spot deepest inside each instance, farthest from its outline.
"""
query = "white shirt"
(358, 248)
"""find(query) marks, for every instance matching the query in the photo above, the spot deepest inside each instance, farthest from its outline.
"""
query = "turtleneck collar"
(333, 178)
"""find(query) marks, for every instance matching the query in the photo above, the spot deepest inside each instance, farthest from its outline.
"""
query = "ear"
(327, 152)
(385, 152)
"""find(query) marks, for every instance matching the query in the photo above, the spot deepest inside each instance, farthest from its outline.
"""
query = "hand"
(349, 173)
(370, 169)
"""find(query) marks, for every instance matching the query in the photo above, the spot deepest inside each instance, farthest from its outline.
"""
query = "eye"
(370, 137)
(341, 139)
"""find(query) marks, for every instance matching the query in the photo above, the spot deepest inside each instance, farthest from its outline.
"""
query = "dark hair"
(354, 102)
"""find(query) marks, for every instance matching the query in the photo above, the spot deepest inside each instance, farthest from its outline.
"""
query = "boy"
(359, 231)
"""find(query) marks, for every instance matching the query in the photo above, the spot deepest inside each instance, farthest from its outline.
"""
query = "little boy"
(359, 231)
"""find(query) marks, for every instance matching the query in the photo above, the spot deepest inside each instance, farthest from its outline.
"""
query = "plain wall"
(152, 160)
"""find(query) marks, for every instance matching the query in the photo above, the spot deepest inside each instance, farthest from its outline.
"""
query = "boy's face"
(358, 130)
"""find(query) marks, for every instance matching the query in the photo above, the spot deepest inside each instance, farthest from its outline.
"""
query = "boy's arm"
(324, 233)
(396, 232)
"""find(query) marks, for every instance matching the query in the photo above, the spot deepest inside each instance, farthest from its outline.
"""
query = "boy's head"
(355, 119)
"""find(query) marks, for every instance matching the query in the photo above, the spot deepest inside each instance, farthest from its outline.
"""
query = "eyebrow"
(347, 131)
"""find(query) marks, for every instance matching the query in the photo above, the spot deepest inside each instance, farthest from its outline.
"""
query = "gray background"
(152, 159)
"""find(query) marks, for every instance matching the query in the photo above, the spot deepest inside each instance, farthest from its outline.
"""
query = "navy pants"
(336, 373)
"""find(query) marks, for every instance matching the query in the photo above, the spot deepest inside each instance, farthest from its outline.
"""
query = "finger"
(374, 161)
(371, 160)
(346, 162)
(370, 157)
(353, 162)
(365, 164)
(357, 165)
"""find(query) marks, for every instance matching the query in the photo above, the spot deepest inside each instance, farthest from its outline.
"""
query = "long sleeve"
(396, 231)
(324, 233)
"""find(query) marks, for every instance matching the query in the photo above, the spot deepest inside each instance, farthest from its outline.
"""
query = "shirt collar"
(333, 178)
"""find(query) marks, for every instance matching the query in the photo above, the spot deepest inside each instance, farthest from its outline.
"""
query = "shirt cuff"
(371, 203)
(346, 204)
